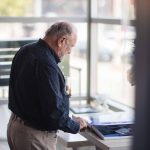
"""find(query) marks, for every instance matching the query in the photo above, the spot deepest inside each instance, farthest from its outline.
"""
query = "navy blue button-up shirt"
(37, 89)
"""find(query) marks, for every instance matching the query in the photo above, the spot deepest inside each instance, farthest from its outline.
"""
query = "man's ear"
(61, 41)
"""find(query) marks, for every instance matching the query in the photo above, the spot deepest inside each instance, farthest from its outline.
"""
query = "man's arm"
(53, 101)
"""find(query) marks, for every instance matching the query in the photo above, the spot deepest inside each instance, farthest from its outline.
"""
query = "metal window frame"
(39, 19)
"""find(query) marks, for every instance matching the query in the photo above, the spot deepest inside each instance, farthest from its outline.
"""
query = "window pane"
(78, 62)
(65, 8)
(17, 8)
(22, 30)
(113, 9)
(51, 8)
(114, 56)
(75, 64)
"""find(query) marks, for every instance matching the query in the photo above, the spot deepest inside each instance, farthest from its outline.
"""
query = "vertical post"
(79, 82)
(88, 51)
(142, 74)
(3, 92)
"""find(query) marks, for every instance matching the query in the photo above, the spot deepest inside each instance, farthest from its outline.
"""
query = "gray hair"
(60, 29)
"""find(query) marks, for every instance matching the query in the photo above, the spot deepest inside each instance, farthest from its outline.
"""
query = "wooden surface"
(119, 144)
(72, 140)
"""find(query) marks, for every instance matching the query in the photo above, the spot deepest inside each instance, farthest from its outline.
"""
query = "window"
(109, 54)
(112, 49)
(113, 57)
(78, 62)
(36, 17)
(113, 9)
(64, 8)
(46, 8)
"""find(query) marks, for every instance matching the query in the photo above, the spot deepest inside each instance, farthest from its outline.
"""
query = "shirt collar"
(51, 50)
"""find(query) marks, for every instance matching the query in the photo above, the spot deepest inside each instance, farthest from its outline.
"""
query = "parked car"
(105, 52)
(105, 55)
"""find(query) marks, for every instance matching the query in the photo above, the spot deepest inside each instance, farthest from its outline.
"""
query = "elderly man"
(37, 96)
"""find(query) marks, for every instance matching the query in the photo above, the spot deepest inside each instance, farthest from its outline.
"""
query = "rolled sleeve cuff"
(75, 126)
(71, 126)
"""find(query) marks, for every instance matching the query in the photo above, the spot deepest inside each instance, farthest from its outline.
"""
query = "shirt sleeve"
(54, 104)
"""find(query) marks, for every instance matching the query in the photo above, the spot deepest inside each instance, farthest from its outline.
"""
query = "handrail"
(79, 72)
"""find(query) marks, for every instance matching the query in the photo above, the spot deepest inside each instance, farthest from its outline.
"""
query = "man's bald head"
(60, 29)
(61, 37)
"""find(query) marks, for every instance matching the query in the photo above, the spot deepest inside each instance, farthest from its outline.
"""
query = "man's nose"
(69, 51)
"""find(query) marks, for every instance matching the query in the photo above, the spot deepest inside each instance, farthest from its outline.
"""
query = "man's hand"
(81, 121)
